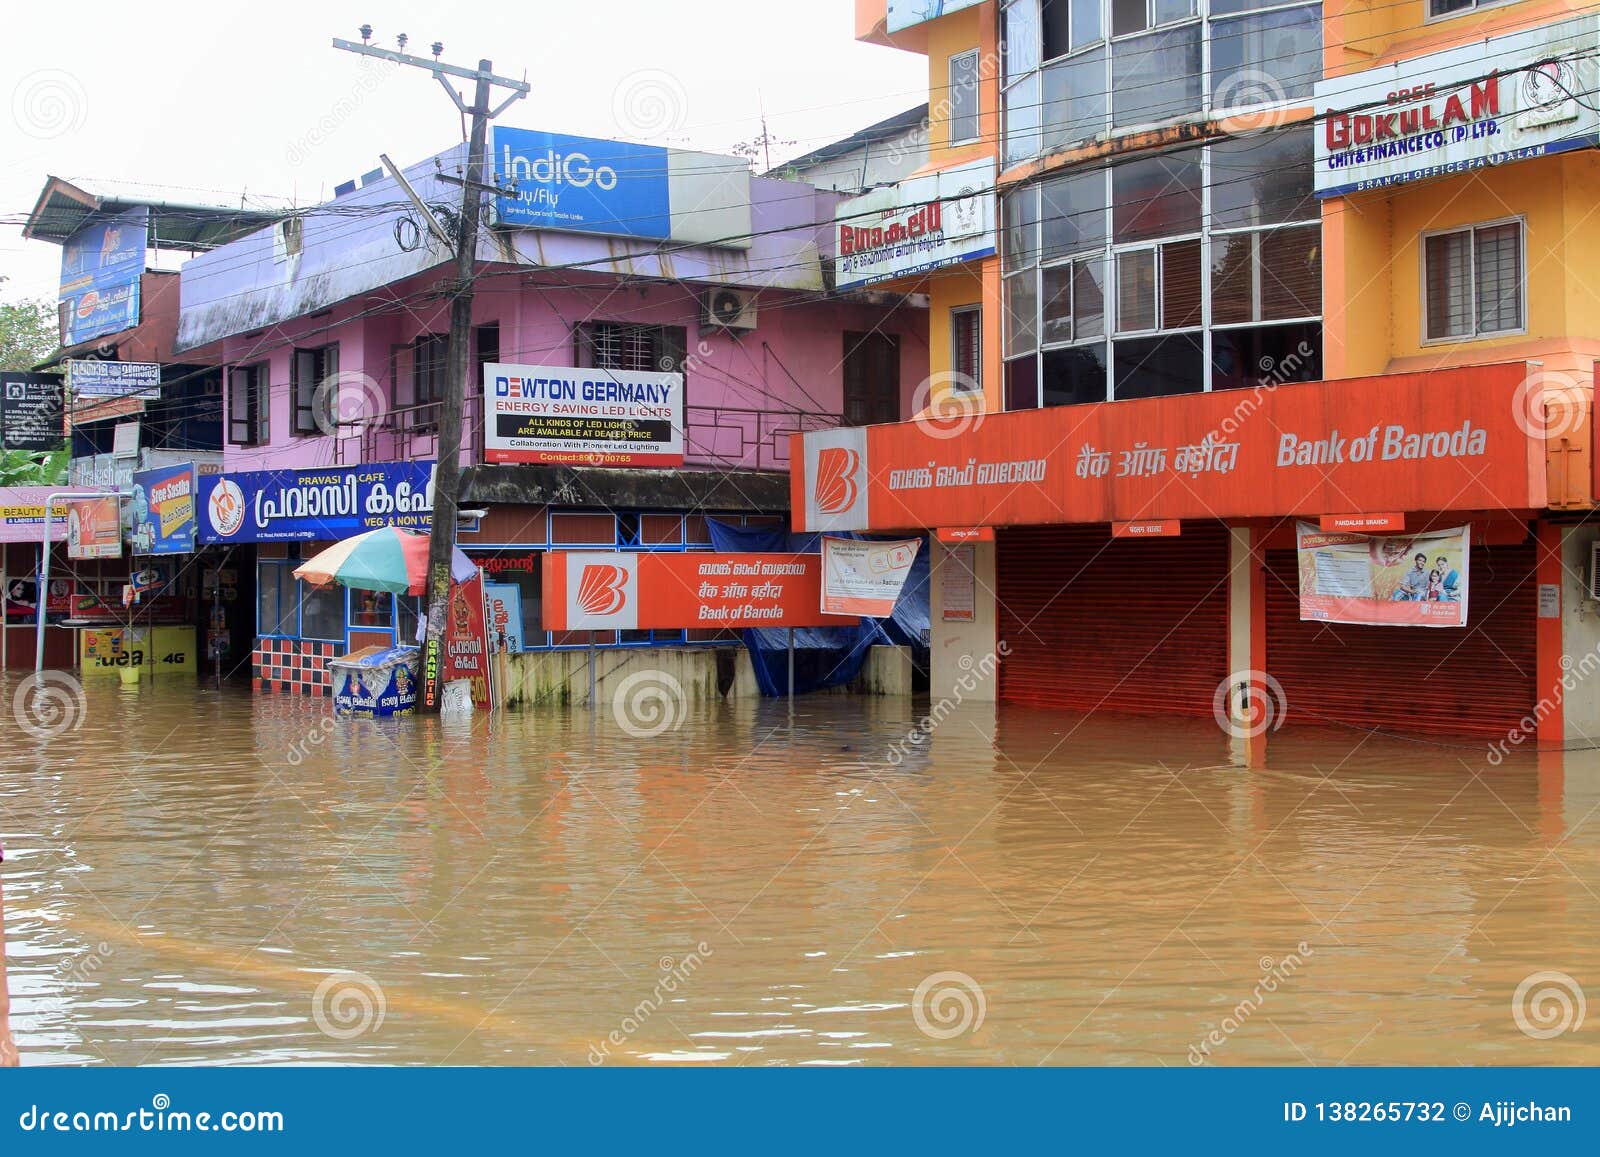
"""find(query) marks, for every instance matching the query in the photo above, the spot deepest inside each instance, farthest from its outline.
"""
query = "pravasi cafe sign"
(920, 224)
(1507, 98)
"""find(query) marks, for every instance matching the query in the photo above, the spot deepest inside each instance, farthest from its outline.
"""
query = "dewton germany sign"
(1509, 98)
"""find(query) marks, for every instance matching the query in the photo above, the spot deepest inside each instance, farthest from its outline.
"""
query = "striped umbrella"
(389, 559)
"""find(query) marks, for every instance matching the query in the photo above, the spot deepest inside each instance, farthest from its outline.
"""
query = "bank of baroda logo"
(602, 592)
(603, 589)
(837, 488)
(836, 468)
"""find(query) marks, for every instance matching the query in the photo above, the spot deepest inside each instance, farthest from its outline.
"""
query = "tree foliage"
(28, 332)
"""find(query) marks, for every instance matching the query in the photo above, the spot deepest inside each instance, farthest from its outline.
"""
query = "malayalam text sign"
(314, 505)
(616, 590)
(89, 378)
(1415, 580)
(920, 224)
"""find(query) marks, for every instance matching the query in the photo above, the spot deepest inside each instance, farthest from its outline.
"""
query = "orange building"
(1268, 396)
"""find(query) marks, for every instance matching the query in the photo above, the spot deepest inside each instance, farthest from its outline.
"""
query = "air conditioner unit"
(1594, 570)
(730, 309)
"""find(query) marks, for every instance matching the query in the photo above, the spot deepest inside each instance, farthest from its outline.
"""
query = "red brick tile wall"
(294, 666)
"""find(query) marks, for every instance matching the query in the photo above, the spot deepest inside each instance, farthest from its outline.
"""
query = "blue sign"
(100, 269)
(315, 505)
(583, 185)
(162, 510)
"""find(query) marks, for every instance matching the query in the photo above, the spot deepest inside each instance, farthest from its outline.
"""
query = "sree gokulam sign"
(920, 224)
(1507, 98)
(582, 417)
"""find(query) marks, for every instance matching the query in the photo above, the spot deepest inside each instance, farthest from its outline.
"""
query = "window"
(1437, 8)
(1156, 77)
(1266, 275)
(276, 613)
(609, 345)
(486, 346)
(1473, 281)
(373, 609)
(419, 371)
(310, 369)
(248, 400)
(963, 115)
(1268, 57)
(871, 379)
(966, 348)
(321, 612)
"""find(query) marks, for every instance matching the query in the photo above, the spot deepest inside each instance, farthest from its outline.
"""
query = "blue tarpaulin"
(824, 656)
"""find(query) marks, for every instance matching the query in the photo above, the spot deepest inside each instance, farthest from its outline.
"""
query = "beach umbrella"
(389, 559)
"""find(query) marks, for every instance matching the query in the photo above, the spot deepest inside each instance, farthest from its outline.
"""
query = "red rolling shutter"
(1125, 625)
(1479, 680)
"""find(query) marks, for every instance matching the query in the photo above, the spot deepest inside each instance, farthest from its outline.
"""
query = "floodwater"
(199, 878)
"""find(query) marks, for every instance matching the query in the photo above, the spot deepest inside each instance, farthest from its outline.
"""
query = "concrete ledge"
(543, 678)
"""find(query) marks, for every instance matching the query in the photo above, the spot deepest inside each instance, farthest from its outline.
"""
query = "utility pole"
(447, 479)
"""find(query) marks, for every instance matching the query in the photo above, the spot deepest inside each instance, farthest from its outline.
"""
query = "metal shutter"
(1475, 681)
(1124, 625)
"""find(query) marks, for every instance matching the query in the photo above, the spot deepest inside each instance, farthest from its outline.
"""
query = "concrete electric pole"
(447, 481)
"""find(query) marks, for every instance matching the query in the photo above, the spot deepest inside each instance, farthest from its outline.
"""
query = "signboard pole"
(791, 670)
(5, 597)
(592, 679)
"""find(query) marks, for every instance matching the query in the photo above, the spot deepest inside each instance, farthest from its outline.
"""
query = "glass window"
(1128, 16)
(966, 347)
(1265, 59)
(1156, 77)
(1022, 383)
(1022, 313)
(1156, 197)
(1157, 367)
(1022, 120)
(1180, 284)
(1291, 272)
(964, 97)
(1473, 281)
(1088, 297)
(321, 612)
(372, 609)
(1271, 354)
(1074, 214)
(1057, 324)
(1057, 27)
(1074, 100)
(275, 614)
(1136, 290)
(1170, 11)
(1022, 228)
(1021, 39)
(1075, 375)
(1262, 180)
(1088, 22)
(1446, 7)
(408, 615)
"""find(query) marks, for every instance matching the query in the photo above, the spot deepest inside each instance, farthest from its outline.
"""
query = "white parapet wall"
(963, 656)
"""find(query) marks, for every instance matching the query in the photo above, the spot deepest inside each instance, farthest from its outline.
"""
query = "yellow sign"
(104, 651)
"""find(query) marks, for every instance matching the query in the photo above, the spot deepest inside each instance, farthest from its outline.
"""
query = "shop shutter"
(1478, 680)
(1121, 625)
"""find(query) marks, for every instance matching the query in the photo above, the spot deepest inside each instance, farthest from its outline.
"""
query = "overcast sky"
(214, 100)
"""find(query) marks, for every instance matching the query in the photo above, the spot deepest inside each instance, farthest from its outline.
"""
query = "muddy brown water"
(200, 878)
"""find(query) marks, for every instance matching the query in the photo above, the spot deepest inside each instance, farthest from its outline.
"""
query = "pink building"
(331, 325)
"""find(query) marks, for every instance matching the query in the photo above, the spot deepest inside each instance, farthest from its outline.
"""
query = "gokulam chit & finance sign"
(920, 224)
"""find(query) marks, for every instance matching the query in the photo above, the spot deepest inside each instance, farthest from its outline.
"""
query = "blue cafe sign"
(582, 184)
(315, 505)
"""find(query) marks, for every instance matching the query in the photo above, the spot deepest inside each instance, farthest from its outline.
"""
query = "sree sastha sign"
(582, 417)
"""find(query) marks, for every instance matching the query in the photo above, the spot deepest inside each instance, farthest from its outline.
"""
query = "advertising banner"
(920, 224)
(865, 578)
(22, 515)
(22, 599)
(958, 585)
(557, 414)
(162, 510)
(31, 412)
(94, 528)
(589, 185)
(466, 638)
(1498, 99)
(100, 269)
(615, 590)
(101, 379)
(314, 505)
(504, 601)
(1417, 580)
(904, 14)
(1446, 439)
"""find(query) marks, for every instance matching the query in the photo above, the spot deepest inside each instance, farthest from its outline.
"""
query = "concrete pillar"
(1252, 702)
(963, 655)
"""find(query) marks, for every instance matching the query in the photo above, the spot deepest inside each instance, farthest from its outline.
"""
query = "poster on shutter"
(865, 578)
(958, 585)
(1411, 580)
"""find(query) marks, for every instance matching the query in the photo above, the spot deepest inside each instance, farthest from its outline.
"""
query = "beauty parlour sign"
(616, 590)
(1443, 440)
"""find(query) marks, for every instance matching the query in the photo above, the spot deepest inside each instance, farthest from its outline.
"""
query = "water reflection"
(208, 878)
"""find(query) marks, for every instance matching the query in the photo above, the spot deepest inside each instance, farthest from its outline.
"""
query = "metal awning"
(65, 206)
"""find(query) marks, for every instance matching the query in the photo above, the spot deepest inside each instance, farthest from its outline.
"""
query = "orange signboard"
(1159, 528)
(615, 590)
(1363, 523)
(94, 528)
(1442, 440)
(959, 534)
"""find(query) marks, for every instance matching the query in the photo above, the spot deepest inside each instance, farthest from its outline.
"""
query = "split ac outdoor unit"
(1594, 570)
(730, 308)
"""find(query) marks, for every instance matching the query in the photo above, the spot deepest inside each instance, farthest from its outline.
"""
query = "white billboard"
(1507, 98)
(560, 415)
(920, 224)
